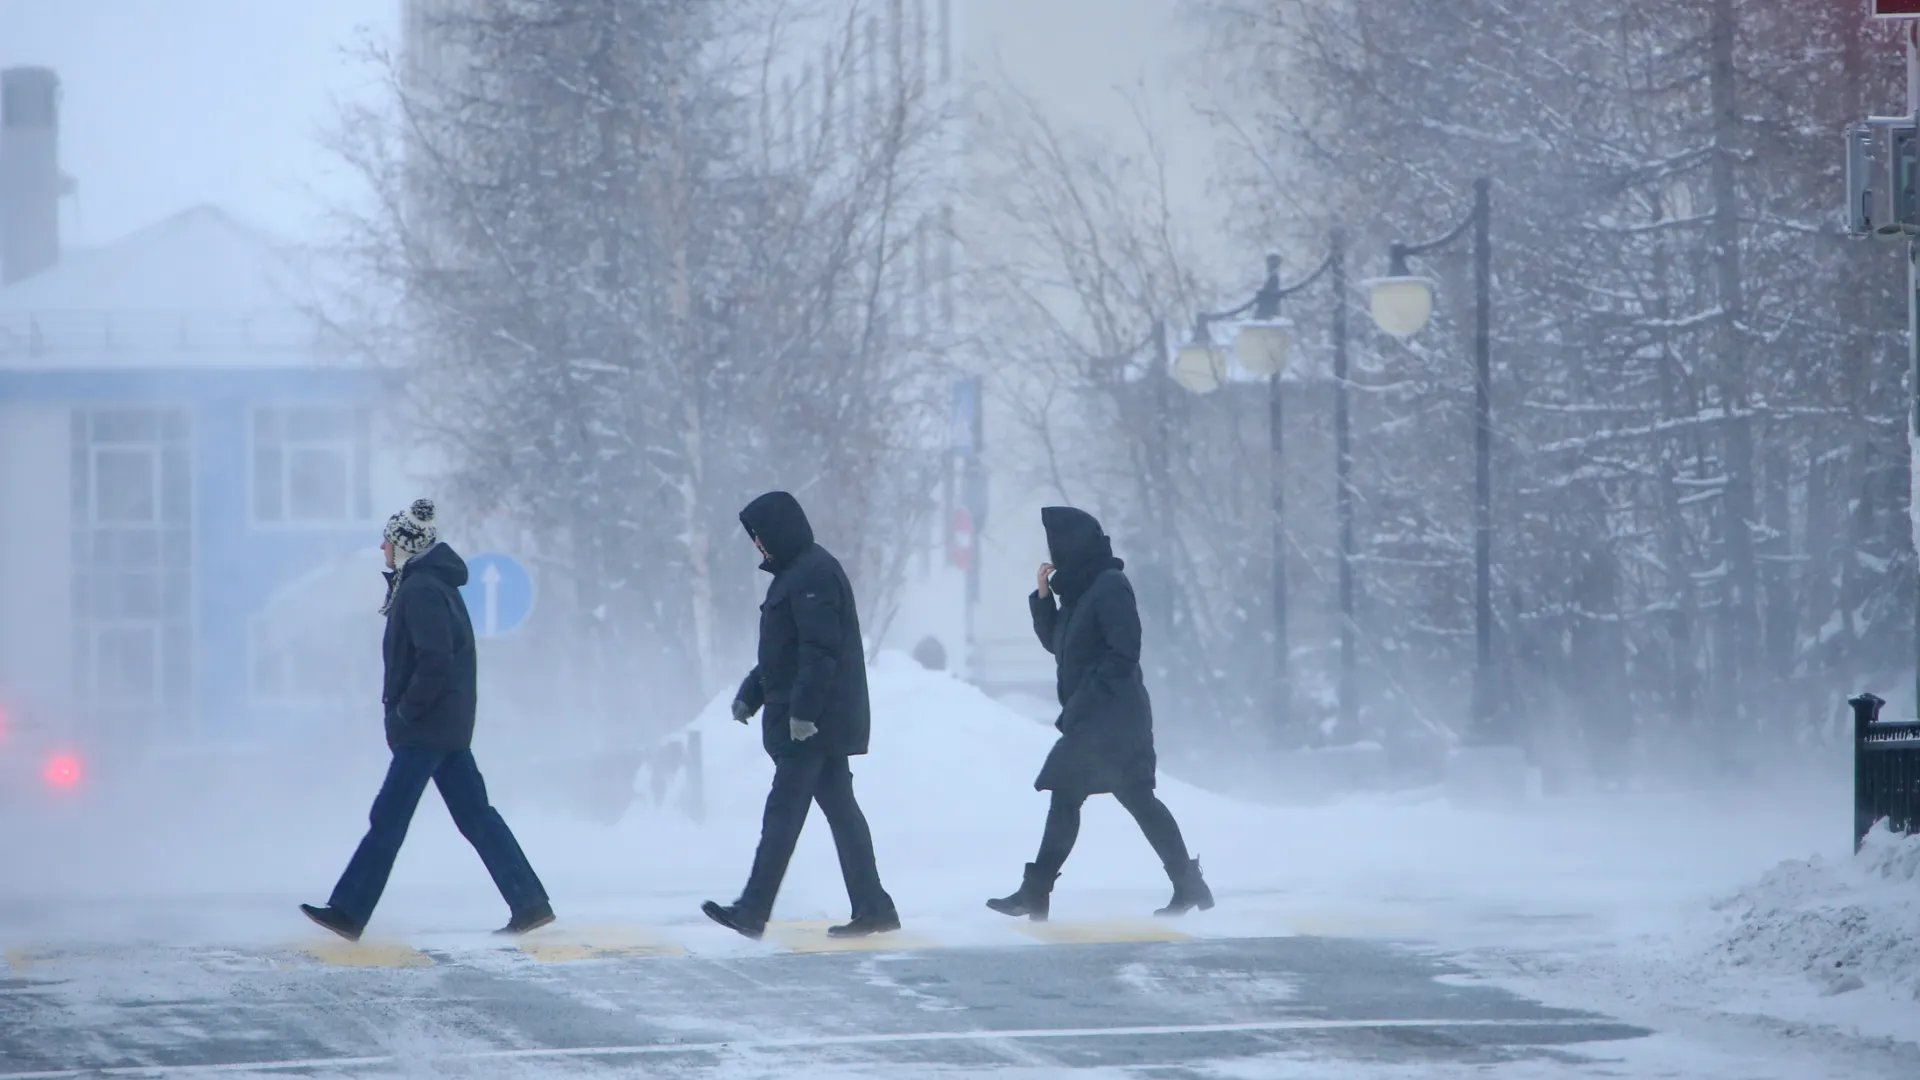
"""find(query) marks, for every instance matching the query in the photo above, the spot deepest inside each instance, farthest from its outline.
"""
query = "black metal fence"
(1886, 770)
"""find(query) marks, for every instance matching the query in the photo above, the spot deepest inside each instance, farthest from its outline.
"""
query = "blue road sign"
(499, 593)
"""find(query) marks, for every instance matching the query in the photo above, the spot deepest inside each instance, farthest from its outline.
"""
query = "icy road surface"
(1075, 997)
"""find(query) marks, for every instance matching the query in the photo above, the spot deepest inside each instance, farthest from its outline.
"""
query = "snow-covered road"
(1703, 935)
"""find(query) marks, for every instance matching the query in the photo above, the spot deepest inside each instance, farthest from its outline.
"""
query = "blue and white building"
(189, 508)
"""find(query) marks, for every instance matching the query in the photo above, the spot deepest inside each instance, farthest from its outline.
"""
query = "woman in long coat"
(1106, 721)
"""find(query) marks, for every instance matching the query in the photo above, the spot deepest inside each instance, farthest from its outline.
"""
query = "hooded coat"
(812, 663)
(431, 690)
(1091, 625)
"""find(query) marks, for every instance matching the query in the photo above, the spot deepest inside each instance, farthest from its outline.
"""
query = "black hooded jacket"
(1093, 632)
(812, 662)
(431, 689)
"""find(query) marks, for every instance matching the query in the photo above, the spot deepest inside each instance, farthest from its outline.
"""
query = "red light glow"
(62, 770)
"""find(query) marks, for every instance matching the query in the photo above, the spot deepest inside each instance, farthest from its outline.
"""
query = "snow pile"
(948, 790)
(938, 744)
(1842, 923)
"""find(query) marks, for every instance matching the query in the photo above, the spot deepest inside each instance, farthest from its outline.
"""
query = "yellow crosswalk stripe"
(1112, 931)
(596, 943)
(22, 959)
(811, 937)
(366, 954)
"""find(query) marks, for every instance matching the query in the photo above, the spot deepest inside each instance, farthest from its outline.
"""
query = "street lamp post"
(1261, 345)
(1401, 305)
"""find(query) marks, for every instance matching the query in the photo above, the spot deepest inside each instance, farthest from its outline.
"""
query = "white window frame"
(168, 709)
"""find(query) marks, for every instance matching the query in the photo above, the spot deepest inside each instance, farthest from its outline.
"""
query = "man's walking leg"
(365, 878)
(465, 793)
(794, 779)
(853, 841)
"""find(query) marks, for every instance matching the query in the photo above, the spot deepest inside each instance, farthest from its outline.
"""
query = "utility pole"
(1486, 714)
(1913, 329)
(1343, 490)
(1883, 201)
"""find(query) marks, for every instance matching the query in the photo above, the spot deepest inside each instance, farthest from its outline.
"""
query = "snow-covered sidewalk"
(1819, 955)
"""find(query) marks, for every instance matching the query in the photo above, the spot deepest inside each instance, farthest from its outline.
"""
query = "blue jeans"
(457, 776)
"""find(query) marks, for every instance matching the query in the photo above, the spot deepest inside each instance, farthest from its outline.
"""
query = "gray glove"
(801, 730)
(741, 711)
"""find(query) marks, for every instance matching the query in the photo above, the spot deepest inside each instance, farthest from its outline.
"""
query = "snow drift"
(1844, 923)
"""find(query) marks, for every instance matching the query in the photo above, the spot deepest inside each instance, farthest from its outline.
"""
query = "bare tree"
(644, 275)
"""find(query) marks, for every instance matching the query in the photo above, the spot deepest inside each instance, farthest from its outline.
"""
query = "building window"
(133, 569)
(310, 465)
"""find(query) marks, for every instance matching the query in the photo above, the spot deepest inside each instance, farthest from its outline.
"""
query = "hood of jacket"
(1074, 537)
(1078, 548)
(440, 561)
(777, 521)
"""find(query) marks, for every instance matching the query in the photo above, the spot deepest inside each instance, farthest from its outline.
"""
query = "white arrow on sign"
(490, 607)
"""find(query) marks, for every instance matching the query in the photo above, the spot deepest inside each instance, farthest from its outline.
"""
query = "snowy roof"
(198, 289)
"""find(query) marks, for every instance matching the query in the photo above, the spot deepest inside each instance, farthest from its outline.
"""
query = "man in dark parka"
(810, 687)
(1106, 720)
(430, 698)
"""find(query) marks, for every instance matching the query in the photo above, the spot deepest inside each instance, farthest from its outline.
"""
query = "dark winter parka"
(430, 690)
(1106, 719)
(812, 663)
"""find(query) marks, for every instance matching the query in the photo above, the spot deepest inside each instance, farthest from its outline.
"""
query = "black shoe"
(1189, 890)
(1033, 897)
(863, 925)
(533, 918)
(734, 919)
(334, 920)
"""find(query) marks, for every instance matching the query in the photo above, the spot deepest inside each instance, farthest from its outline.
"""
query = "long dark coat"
(1106, 718)
(812, 663)
(431, 690)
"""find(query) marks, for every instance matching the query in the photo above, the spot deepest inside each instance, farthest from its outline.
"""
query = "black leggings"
(1155, 820)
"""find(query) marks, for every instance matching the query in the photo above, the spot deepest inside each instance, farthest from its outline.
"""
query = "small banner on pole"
(1896, 9)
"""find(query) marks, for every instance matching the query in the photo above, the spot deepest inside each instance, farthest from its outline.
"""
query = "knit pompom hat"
(411, 530)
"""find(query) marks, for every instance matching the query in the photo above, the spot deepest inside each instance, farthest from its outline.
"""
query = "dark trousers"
(1152, 815)
(798, 782)
(457, 776)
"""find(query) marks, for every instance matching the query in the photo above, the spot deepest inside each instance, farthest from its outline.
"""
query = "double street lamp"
(1401, 305)
(1261, 345)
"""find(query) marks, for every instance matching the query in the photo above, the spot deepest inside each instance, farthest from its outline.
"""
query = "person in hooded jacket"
(810, 688)
(430, 698)
(1085, 615)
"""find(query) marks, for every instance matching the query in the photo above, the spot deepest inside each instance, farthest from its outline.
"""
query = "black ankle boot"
(1189, 890)
(1032, 898)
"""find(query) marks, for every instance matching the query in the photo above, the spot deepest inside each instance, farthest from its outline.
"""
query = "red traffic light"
(61, 771)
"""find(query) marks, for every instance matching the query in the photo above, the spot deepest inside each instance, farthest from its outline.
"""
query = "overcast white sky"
(172, 103)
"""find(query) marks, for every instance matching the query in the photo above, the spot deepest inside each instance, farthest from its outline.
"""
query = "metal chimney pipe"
(30, 181)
